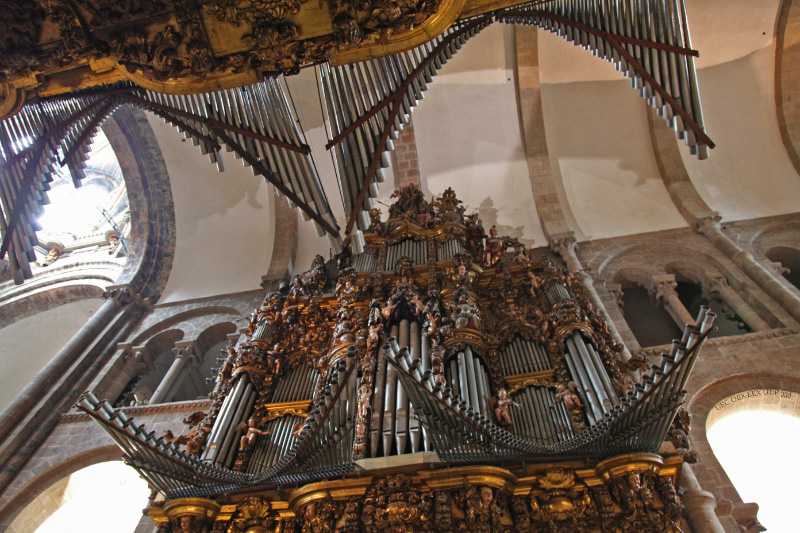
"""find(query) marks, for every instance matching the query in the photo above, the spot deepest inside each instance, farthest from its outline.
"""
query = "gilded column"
(664, 288)
(565, 245)
(744, 260)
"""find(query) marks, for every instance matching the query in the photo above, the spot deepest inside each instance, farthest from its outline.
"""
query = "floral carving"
(156, 57)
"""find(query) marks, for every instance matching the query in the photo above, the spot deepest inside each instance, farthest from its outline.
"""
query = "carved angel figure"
(318, 517)
(483, 512)
(249, 439)
(493, 250)
(567, 394)
(502, 410)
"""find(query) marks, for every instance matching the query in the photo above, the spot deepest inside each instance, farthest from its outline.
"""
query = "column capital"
(664, 286)
(187, 350)
(563, 242)
(138, 357)
(709, 222)
(615, 290)
(124, 294)
(718, 283)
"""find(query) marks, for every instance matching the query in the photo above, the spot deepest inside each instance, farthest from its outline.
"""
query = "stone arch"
(654, 258)
(152, 235)
(761, 239)
(31, 303)
(215, 334)
(632, 275)
(17, 503)
(789, 259)
(176, 319)
(159, 349)
(787, 85)
(646, 317)
(689, 270)
(702, 407)
(715, 274)
(209, 345)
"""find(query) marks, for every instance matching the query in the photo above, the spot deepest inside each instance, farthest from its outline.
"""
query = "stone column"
(174, 376)
(565, 245)
(58, 366)
(744, 260)
(698, 505)
(720, 287)
(664, 289)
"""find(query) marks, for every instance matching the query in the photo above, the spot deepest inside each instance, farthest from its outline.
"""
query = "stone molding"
(143, 410)
(653, 351)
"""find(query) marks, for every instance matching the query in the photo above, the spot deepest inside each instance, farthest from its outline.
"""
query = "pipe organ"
(436, 347)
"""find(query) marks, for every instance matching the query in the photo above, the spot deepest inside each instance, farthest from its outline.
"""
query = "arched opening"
(98, 498)
(727, 323)
(753, 435)
(211, 344)
(142, 387)
(789, 258)
(647, 319)
(96, 213)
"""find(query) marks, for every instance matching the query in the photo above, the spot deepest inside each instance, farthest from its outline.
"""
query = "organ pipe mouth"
(393, 345)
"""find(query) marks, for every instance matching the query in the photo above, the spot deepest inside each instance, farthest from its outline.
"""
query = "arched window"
(141, 389)
(727, 323)
(753, 435)
(99, 498)
(211, 344)
(789, 258)
(648, 320)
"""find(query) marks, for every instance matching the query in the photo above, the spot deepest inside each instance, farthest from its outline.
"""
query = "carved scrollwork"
(237, 11)
(393, 505)
(252, 512)
(157, 57)
(20, 27)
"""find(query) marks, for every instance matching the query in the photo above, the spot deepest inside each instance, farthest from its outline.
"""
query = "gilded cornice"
(635, 492)
(50, 47)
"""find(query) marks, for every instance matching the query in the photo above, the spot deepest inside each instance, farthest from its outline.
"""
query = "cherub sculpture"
(502, 410)
(248, 440)
(568, 395)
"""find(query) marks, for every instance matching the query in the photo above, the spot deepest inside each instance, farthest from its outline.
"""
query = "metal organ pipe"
(594, 376)
(235, 436)
(469, 362)
(414, 429)
(601, 370)
(223, 419)
(390, 401)
(572, 356)
(239, 415)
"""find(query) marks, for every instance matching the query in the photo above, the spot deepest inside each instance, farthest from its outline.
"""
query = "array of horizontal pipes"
(367, 104)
